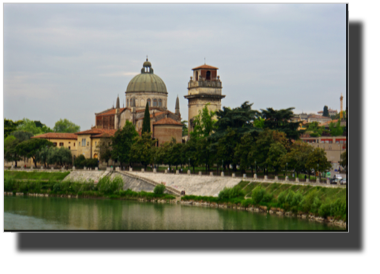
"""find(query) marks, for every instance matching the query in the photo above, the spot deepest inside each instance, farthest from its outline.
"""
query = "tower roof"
(205, 67)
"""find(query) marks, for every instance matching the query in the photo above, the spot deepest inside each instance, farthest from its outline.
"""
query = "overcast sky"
(72, 60)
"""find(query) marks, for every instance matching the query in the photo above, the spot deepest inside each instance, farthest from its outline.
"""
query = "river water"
(40, 213)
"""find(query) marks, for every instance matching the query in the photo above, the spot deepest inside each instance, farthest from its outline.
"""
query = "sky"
(73, 60)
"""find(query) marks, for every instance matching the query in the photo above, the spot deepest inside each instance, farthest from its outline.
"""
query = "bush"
(325, 209)
(57, 187)
(307, 201)
(267, 198)
(281, 198)
(289, 197)
(258, 194)
(246, 202)
(315, 205)
(159, 189)
(107, 186)
(230, 193)
(224, 194)
(297, 199)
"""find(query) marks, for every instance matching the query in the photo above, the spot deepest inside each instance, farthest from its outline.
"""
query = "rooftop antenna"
(147, 57)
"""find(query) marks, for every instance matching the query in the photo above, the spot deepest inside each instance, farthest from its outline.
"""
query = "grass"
(35, 175)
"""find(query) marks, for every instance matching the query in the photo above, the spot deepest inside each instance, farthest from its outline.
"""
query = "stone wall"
(164, 133)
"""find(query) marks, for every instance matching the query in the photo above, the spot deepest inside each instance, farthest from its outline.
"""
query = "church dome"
(146, 81)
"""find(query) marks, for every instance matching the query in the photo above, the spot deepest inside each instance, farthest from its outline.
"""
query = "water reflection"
(36, 213)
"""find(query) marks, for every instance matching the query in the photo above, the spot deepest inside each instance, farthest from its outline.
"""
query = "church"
(204, 88)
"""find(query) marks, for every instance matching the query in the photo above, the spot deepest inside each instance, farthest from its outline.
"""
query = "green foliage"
(282, 197)
(22, 135)
(280, 120)
(159, 189)
(142, 149)
(258, 194)
(203, 123)
(35, 175)
(297, 199)
(335, 129)
(259, 123)
(343, 159)
(34, 127)
(108, 186)
(315, 129)
(298, 156)
(66, 126)
(10, 126)
(31, 148)
(185, 129)
(59, 156)
(325, 111)
(146, 121)
(317, 160)
(80, 161)
(122, 143)
(230, 193)
(104, 149)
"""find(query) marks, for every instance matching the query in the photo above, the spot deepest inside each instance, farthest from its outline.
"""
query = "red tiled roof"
(98, 132)
(53, 135)
(205, 67)
(110, 112)
(167, 121)
(156, 114)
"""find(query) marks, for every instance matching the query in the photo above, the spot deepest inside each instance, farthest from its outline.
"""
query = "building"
(331, 112)
(144, 88)
(204, 88)
(318, 118)
(333, 146)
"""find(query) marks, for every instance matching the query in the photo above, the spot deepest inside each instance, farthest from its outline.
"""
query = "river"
(40, 213)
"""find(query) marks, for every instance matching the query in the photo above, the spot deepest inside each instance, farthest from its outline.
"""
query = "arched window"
(142, 103)
(127, 102)
(155, 102)
(149, 104)
(196, 76)
(208, 75)
(160, 102)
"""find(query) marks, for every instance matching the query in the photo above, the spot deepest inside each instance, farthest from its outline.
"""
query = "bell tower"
(204, 88)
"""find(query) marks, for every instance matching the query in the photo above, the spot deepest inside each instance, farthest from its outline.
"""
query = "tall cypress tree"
(146, 121)
(325, 111)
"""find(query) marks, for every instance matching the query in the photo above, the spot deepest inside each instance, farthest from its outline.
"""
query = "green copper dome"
(146, 81)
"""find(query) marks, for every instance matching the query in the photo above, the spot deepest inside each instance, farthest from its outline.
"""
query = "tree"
(30, 148)
(343, 159)
(59, 156)
(280, 120)
(259, 123)
(185, 129)
(66, 126)
(203, 123)
(122, 143)
(225, 148)
(335, 129)
(11, 142)
(315, 129)
(22, 135)
(104, 148)
(10, 152)
(317, 160)
(10, 126)
(43, 156)
(29, 126)
(325, 111)
(242, 152)
(298, 156)
(276, 153)
(146, 121)
(141, 150)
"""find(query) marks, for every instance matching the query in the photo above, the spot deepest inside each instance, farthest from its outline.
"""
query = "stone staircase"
(171, 190)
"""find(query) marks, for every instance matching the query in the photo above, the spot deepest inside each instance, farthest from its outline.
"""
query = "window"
(208, 75)
(88, 143)
(61, 144)
(154, 102)
(55, 144)
(149, 102)
(127, 102)
(83, 142)
(160, 102)
(69, 147)
(74, 144)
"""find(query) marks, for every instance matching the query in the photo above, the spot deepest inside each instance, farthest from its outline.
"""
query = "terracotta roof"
(318, 116)
(110, 112)
(53, 135)
(167, 121)
(205, 67)
(98, 132)
(156, 114)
